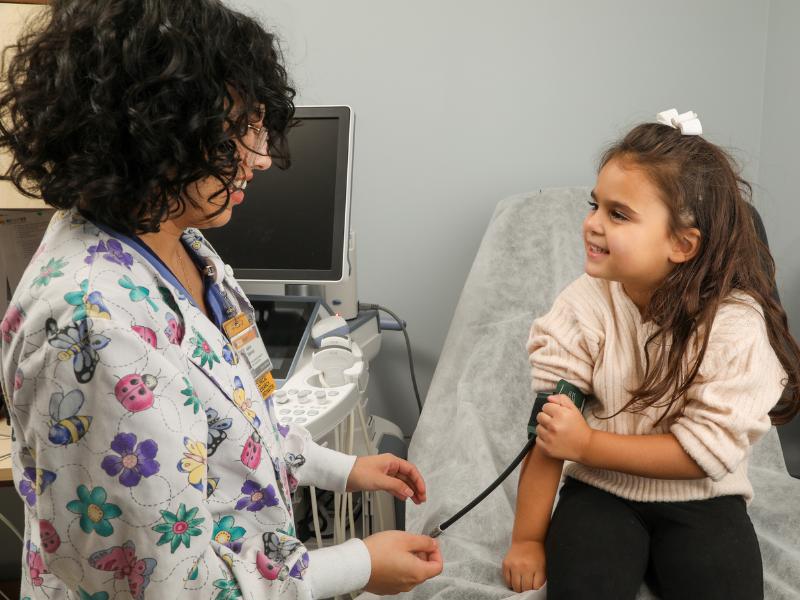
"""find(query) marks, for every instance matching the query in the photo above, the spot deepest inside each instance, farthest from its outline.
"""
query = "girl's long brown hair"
(701, 188)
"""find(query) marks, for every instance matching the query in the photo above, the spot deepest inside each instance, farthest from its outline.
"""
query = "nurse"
(146, 448)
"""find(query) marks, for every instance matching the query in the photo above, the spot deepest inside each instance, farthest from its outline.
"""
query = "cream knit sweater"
(594, 338)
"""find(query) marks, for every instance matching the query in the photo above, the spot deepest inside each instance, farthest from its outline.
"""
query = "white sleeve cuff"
(325, 468)
(339, 569)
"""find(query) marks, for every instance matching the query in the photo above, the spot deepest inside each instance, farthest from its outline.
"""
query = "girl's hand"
(562, 432)
(523, 566)
(388, 473)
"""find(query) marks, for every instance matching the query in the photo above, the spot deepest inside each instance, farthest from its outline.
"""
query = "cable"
(562, 387)
(401, 323)
(10, 525)
(478, 499)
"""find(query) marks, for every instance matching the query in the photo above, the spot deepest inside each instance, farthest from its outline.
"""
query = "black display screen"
(291, 223)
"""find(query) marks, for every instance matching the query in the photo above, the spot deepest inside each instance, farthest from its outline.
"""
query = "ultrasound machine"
(291, 248)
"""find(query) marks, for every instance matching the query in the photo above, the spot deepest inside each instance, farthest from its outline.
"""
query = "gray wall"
(460, 103)
(777, 194)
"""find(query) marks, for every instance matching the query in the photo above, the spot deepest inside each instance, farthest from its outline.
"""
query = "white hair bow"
(687, 122)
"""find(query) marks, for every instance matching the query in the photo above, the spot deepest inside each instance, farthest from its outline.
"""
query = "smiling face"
(208, 194)
(627, 233)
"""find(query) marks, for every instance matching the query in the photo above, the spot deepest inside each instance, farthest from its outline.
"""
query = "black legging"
(600, 546)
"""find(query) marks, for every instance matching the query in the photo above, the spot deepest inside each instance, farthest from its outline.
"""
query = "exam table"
(474, 420)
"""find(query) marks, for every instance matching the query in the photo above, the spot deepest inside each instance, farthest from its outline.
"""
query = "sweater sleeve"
(561, 345)
(739, 381)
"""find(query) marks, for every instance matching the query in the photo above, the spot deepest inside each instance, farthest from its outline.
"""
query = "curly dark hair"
(117, 106)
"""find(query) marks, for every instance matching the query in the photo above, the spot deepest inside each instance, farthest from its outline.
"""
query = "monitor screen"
(293, 223)
(285, 326)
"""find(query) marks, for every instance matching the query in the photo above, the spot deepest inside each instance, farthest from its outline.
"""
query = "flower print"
(87, 304)
(134, 461)
(228, 589)
(19, 379)
(192, 399)
(84, 595)
(243, 402)
(256, 497)
(194, 462)
(137, 292)
(227, 535)
(283, 430)
(194, 571)
(178, 528)
(112, 251)
(94, 511)
(11, 323)
(203, 351)
(50, 271)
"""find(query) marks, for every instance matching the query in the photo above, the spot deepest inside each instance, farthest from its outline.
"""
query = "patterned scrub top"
(148, 463)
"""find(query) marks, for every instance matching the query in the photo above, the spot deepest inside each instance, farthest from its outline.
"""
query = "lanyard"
(217, 301)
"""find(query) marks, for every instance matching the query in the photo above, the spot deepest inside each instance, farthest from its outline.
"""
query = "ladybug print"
(251, 453)
(49, 536)
(135, 392)
(204, 464)
(147, 334)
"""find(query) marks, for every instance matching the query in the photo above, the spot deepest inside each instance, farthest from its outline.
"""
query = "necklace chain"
(186, 277)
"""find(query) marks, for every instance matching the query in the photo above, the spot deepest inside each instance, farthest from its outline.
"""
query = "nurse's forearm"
(538, 483)
(659, 456)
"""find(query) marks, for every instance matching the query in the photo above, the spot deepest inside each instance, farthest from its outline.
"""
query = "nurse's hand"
(401, 561)
(388, 473)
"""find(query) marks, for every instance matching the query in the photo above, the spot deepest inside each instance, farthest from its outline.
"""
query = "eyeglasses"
(257, 147)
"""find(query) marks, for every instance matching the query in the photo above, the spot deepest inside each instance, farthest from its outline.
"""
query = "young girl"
(676, 334)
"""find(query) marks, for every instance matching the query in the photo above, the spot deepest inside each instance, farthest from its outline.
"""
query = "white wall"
(460, 103)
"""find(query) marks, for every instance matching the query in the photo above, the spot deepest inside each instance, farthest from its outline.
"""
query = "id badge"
(245, 338)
